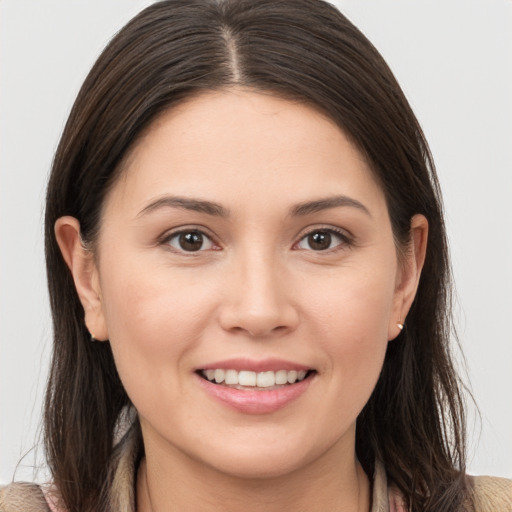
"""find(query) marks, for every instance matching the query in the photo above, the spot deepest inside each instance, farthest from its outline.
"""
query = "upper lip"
(263, 365)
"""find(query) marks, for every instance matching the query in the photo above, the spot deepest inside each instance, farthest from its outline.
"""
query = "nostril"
(259, 307)
(258, 333)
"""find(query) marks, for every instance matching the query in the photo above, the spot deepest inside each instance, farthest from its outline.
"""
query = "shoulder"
(22, 497)
(491, 493)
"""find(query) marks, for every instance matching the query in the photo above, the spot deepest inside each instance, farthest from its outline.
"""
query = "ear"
(80, 261)
(408, 276)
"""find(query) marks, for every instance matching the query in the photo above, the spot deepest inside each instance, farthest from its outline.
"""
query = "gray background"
(454, 61)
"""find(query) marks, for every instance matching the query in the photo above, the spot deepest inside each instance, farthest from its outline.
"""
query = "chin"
(259, 466)
(268, 457)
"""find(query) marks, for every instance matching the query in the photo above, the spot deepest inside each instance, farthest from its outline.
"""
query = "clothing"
(491, 494)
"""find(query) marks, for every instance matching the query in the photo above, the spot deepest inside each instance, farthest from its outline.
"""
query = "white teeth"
(231, 377)
(253, 379)
(246, 378)
(281, 377)
(265, 379)
(292, 376)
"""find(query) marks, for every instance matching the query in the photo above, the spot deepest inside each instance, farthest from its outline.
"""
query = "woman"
(249, 277)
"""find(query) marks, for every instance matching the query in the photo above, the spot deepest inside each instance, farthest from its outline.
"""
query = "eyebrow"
(326, 203)
(215, 209)
(185, 203)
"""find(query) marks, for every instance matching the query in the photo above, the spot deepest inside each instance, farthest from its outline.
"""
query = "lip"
(255, 402)
(264, 365)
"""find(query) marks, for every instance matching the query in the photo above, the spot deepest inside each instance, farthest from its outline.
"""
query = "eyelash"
(168, 237)
(345, 239)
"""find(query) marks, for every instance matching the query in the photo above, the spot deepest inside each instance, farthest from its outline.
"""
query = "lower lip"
(255, 402)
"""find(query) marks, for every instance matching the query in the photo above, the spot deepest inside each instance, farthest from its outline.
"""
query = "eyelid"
(172, 233)
(346, 237)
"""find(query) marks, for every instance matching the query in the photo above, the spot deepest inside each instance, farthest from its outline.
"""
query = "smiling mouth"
(254, 381)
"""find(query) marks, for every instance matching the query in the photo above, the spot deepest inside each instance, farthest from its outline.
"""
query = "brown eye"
(321, 240)
(190, 241)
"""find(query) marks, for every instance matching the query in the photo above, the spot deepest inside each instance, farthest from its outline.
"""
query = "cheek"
(351, 318)
(355, 304)
(155, 320)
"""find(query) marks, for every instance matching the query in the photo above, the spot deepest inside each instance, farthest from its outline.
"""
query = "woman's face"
(246, 241)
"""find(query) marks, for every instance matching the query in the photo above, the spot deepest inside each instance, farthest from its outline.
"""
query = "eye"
(322, 240)
(190, 241)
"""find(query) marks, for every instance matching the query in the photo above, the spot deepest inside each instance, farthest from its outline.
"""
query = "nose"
(258, 300)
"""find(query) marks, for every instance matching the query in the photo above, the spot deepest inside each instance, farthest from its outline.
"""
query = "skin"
(257, 289)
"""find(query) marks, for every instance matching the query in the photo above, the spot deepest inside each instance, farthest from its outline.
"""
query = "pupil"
(192, 241)
(320, 240)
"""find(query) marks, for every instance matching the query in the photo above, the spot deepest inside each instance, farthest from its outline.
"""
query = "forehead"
(240, 144)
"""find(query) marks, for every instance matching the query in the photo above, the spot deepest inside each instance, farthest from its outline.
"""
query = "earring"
(93, 338)
(400, 325)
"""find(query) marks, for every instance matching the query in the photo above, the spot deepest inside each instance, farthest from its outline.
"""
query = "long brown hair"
(300, 49)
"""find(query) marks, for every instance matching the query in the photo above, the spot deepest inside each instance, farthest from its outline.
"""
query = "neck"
(327, 485)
